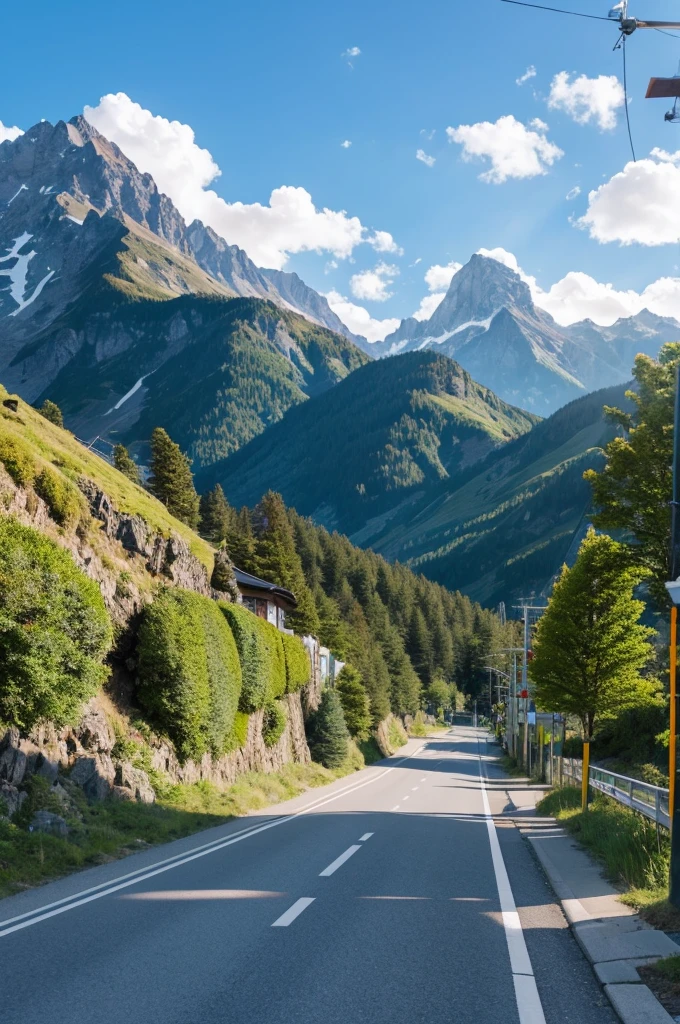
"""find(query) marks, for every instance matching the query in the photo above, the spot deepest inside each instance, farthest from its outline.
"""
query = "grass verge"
(628, 845)
(663, 978)
(112, 829)
(511, 766)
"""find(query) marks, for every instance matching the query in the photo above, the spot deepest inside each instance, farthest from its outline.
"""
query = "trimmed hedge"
(262, 657)
(54, 630)
(189, 672)
(273, 722)
(240, 730)
(298, 665)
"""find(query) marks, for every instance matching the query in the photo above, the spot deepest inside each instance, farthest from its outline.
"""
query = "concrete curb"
(615, 947)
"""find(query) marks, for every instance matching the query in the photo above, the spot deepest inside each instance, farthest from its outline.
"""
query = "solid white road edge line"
(366, 835)
(293, 912)
(141, 874)
(528, 1000)
(339, 861)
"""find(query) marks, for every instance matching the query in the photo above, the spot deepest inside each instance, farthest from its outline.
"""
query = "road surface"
(391, 897)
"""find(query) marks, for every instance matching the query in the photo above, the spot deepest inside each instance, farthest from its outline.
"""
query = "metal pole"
(674, 879)
(585, 770)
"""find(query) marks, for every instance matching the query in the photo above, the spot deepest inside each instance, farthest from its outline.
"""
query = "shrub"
(240, 730)
(60, 496)
(328, 735)
(273, 722)
(190, 676)
(54, 630)
(298, 665)
(17, 458)
(51, 411)
(261, 654)
(355, 703)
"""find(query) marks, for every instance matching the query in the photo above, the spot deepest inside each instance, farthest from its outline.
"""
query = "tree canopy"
(589, 645)
(171, 480)
(125, 464)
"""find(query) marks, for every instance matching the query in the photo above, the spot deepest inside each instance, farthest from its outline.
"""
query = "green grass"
(511, 767)
(58, 451)
(625, 842)
(112, 829)
(370, 750)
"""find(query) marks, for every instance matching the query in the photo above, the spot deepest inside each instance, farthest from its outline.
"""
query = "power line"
(558, 10)
(625, 97)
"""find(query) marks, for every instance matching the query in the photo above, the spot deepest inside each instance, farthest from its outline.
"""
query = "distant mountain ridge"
(489, 323)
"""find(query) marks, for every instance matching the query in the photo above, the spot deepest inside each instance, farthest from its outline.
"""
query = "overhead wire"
(557, 10)
(625, 97)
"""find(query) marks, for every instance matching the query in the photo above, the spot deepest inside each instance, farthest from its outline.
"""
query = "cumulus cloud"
(429, 161)
(578, 296)
(513, 149)
(438, 277)
(428, 304)
(352, 51)
(587, 99)
(290, 223)
(346, 144)
(529, 73)
(8, 134)
(359, 320)
(573, 192)
(640, 204)
(373, 285)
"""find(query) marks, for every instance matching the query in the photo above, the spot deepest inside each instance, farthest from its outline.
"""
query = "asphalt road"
(391, 896)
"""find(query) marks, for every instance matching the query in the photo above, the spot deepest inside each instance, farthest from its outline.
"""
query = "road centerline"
(366, 835)
(293, 912)
(339, 861)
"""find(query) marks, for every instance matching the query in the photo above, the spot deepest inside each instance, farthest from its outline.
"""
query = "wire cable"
(673, 35)
(559, 10)
(625, 97)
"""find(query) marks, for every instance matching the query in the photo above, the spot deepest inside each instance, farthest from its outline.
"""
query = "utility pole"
(526, 608)
(673, 588)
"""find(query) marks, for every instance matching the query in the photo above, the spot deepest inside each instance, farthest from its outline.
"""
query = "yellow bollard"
(584, 777)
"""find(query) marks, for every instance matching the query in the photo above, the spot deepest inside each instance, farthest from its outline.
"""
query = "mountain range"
(490, 324)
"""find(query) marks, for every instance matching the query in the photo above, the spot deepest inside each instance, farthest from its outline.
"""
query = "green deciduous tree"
(634, 490)
(328, 733)
(54, 630)
(125, 464)
(171, 480)
(439, 693)
(589, 646)
(52, 412)
(355, 703)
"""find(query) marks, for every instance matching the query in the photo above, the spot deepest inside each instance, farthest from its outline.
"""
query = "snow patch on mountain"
(18, 274)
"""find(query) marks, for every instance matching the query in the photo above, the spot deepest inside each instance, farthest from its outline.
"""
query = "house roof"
(247, 580)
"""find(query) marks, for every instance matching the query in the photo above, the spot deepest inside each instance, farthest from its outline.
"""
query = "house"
(267, 600)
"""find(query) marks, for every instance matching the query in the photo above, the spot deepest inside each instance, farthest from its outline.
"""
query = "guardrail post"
(585, 773)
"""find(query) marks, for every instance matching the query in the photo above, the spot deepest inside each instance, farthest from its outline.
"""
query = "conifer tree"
(419, 646)
(217, 516)
(171, 480)
(241, 542)
(277, 560)
(589, 645)
(52, 412)
(355, 703)
(125, 464)
(328, 731)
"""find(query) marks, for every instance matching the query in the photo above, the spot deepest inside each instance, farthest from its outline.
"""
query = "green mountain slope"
(509, 525)
(381, 439)
(213, 371)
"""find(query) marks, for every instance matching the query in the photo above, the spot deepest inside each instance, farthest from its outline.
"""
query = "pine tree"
(125, 464)
(171, 480)
(241, 542)
(419, 646)
(217, 516)
(277, 560)
(328, 733)
(355, 703)
(52, 412)
(589, 645)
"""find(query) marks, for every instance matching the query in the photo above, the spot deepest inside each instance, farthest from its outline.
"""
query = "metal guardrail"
(652, 801)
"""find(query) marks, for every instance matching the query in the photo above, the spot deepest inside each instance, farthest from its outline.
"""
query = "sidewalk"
(612, 936)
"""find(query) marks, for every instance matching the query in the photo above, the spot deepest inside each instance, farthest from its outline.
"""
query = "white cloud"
(529, 73)
(429, 161)
(428, 305)
(438, 278)
(428, 134)
(8, 134)
(640, 204)
(269, 233)
(513, 149)
(353, 51)
(346, 144)
(587, 99)
(382, 241)
(359, 320)
(573, 192)
(373, 285)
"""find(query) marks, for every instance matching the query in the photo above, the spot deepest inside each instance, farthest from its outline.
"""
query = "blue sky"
(267, 91)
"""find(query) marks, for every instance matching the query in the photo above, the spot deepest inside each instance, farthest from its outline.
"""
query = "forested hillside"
(382, 437)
